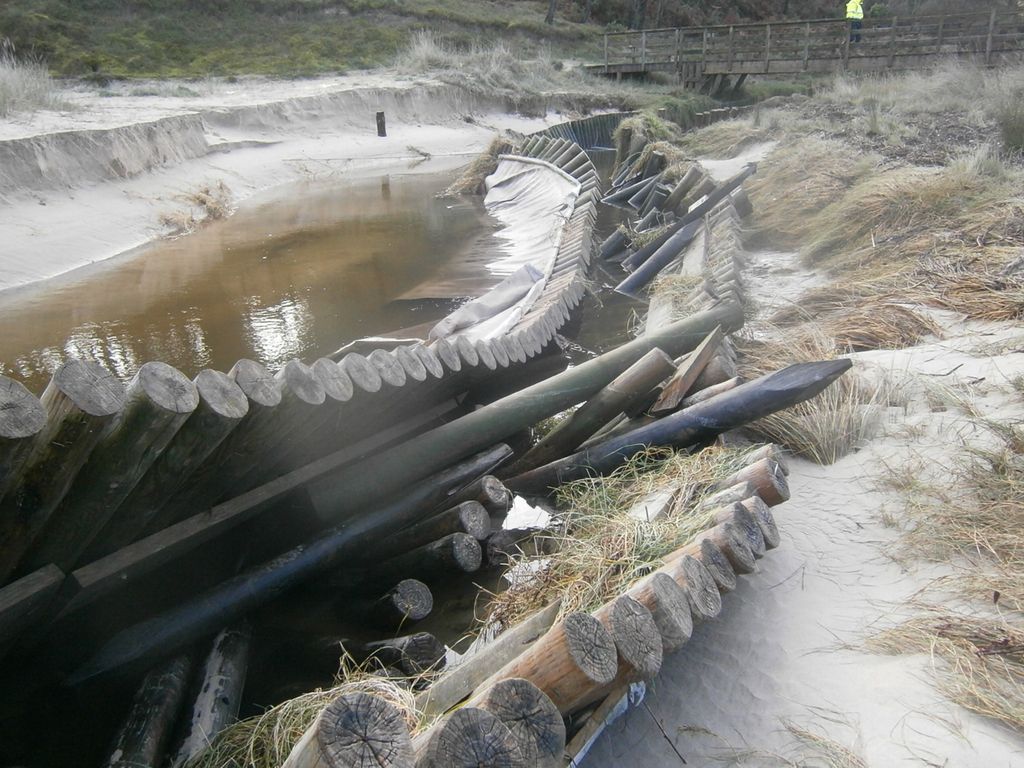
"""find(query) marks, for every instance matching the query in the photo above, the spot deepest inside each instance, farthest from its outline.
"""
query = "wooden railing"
(815, 45)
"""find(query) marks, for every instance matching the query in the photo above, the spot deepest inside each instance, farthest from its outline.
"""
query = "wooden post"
(686, 374)
(468, 738)
(381, 125)
(848, 26)
(534, 721)
(574, 657)
(606, 53)
(478, 664)
(767, 479)
(941, 33)
(455, 553)
(408, 601)
(222, 406)
(413, 654)
(22, 417)
(25, 602)
(143, 734)
(660, 594)
(989, 38)
(765, 519)
(635, 634)
(643, 51)
(732, 42)
(746, 524)
(81, 402)
(734, 546)
(715, 561)
(699, 396)
(159, 400)
(807, 46)
(469, 518)
(222, 681)
(892, 42)
(701, 590)
(619, 396)
(767, 47)
(355, 730)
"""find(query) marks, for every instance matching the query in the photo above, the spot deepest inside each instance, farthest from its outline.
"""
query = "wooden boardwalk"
(709, 57)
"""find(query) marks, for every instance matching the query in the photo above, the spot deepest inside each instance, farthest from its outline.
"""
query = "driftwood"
(143, 735)
(158, 401)
(22, 417)
(221, 681)
(732, 409)
(468, 738)
(628, 387)
(209, 611)
(534, 721)
(458, 683)
(356, 730)
(81, 402)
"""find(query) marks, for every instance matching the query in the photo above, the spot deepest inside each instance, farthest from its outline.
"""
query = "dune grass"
(25, 84)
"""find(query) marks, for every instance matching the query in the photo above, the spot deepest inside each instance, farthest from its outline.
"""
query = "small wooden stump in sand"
(533, 719)
(356, 730)
(469, 738)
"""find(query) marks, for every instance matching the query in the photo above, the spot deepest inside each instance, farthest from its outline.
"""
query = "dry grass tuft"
(25, 83)
(602, 550)
(266, 740)
(878, 324)
(725, 139)
(979, 661)
(975, 287)
(471, 180)
(208, 202)
(827, 427)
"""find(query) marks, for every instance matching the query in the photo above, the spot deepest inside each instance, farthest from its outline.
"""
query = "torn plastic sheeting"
(494, 312)
(533, 199)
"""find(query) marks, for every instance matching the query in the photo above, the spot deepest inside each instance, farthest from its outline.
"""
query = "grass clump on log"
(601, 549)
(979, 661)
(265, 741)
(824, 428)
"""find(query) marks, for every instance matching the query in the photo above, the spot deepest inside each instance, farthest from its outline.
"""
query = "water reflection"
(287, 279)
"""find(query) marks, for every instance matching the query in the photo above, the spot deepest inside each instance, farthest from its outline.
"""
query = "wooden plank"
(25, 602)
(679, 385)
(93, 581)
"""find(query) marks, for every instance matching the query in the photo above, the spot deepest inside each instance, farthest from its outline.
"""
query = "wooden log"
(413, 654)
(159, 400)
(468, 518)
(356, 730)
(478, 664)
(745, 523)
(635, 634)
(768, 451)
(701, 590)
(734, 546)
(765, 520)
(660, 594)
(631, 385)
(468, 738)
(682, 380)
(362, 373)
(81, 402)
(143, 735)
(765, 477)
(26, 602)
(718, 370)
(707, 393)
(350, 489)
(221, 682)
(715, 561)
(209, 611)
(739, 406)
(725, 496)
(595, 723)
(574, 657)
(22, 417)
(686, 183)
(453, 554)
(408, 601)
(534, 721)
(655, 505)
(488, 491)
(222, 406)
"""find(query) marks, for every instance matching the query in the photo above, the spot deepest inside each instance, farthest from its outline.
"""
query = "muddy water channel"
(294, 277)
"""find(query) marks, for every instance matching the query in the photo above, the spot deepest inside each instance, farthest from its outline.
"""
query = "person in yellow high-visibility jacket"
(855, 15)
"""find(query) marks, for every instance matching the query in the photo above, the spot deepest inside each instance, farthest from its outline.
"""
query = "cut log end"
(533, 719)
(90, 386)
(466, 552)
(358, 730)
(591, 647)
(669, 607)
(636, 635)
(765, 519)
(258, 384)
(701, 591)
(391, 371)
(413, 654)
(21, 413)
(332, 377)
(470, 738)
(746, 524)
(495, 497)
(734, 546)
(362, 372)
(168, 387)
(301, 383)
(717, 564)
(474, 520)
(221, 394)
(411, 599)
